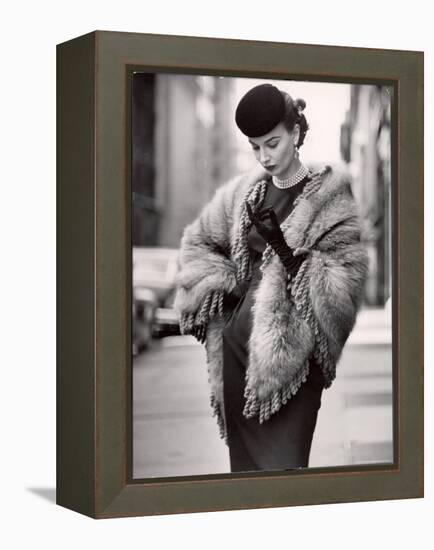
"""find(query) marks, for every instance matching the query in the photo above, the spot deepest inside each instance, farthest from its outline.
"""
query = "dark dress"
(284, 441)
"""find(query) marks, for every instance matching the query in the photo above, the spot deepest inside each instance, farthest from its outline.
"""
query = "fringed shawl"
(295, 320)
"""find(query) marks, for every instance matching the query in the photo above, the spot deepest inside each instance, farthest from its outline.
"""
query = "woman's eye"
(273, 145)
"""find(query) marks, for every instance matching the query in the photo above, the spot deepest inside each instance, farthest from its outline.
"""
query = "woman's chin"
(270, 171)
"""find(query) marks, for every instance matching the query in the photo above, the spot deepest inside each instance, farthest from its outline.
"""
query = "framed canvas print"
(240, 274)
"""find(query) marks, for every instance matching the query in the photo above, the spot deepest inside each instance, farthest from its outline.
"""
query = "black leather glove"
(268, 227)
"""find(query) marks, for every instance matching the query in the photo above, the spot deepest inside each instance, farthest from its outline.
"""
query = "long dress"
(284, 440)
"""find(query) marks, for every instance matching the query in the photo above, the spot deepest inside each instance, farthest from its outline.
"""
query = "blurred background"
(184, 145)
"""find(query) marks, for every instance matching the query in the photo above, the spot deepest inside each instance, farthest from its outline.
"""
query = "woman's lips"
(270, 167)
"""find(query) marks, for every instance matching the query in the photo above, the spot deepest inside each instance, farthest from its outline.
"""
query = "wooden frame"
(93, 375)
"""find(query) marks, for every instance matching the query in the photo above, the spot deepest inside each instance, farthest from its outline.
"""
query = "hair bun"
(300, 105)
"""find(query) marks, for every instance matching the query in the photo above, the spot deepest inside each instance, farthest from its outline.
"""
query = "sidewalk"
(355, 423)
(373, 326)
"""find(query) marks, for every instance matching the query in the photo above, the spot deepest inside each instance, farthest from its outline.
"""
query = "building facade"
(366, 148)
(182, 151)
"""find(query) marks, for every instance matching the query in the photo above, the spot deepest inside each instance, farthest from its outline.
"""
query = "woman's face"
(275, 150)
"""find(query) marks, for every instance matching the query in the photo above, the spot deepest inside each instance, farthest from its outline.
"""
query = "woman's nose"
(263, 157)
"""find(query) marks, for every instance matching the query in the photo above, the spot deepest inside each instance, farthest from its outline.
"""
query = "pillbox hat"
(260, 110)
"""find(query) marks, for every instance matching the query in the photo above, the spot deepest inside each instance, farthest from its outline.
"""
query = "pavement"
(174, 433)
(355, 422)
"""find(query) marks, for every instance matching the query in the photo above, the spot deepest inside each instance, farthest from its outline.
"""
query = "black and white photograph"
(217, 233)
(261, 263)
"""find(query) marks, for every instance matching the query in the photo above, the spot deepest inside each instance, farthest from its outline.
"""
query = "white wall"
(30, 31)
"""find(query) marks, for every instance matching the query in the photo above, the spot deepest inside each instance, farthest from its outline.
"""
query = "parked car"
(155, 268)
(144, 307)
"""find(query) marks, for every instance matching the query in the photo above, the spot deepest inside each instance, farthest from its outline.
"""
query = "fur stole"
(293, 320)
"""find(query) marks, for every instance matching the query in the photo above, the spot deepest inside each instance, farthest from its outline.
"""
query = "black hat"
(260, 110)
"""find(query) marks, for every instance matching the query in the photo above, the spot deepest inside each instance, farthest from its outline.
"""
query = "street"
(174, 433)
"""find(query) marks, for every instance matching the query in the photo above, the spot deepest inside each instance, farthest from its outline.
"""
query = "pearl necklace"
(301, 173)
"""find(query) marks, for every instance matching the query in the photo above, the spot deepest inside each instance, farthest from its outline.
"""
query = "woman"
(271, 278)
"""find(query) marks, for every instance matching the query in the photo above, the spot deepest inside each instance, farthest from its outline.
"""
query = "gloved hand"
(268, 227)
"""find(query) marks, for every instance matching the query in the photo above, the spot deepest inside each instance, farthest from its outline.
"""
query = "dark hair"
(293, 115)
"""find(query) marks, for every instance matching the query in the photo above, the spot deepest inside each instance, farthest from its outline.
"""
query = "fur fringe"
(196, 323)
(216, 411)
(266, 407)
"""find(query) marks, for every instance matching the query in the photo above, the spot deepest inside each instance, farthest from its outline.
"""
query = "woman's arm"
(206, 270)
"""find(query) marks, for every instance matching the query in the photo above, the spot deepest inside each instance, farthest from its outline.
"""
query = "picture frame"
(94, 274)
